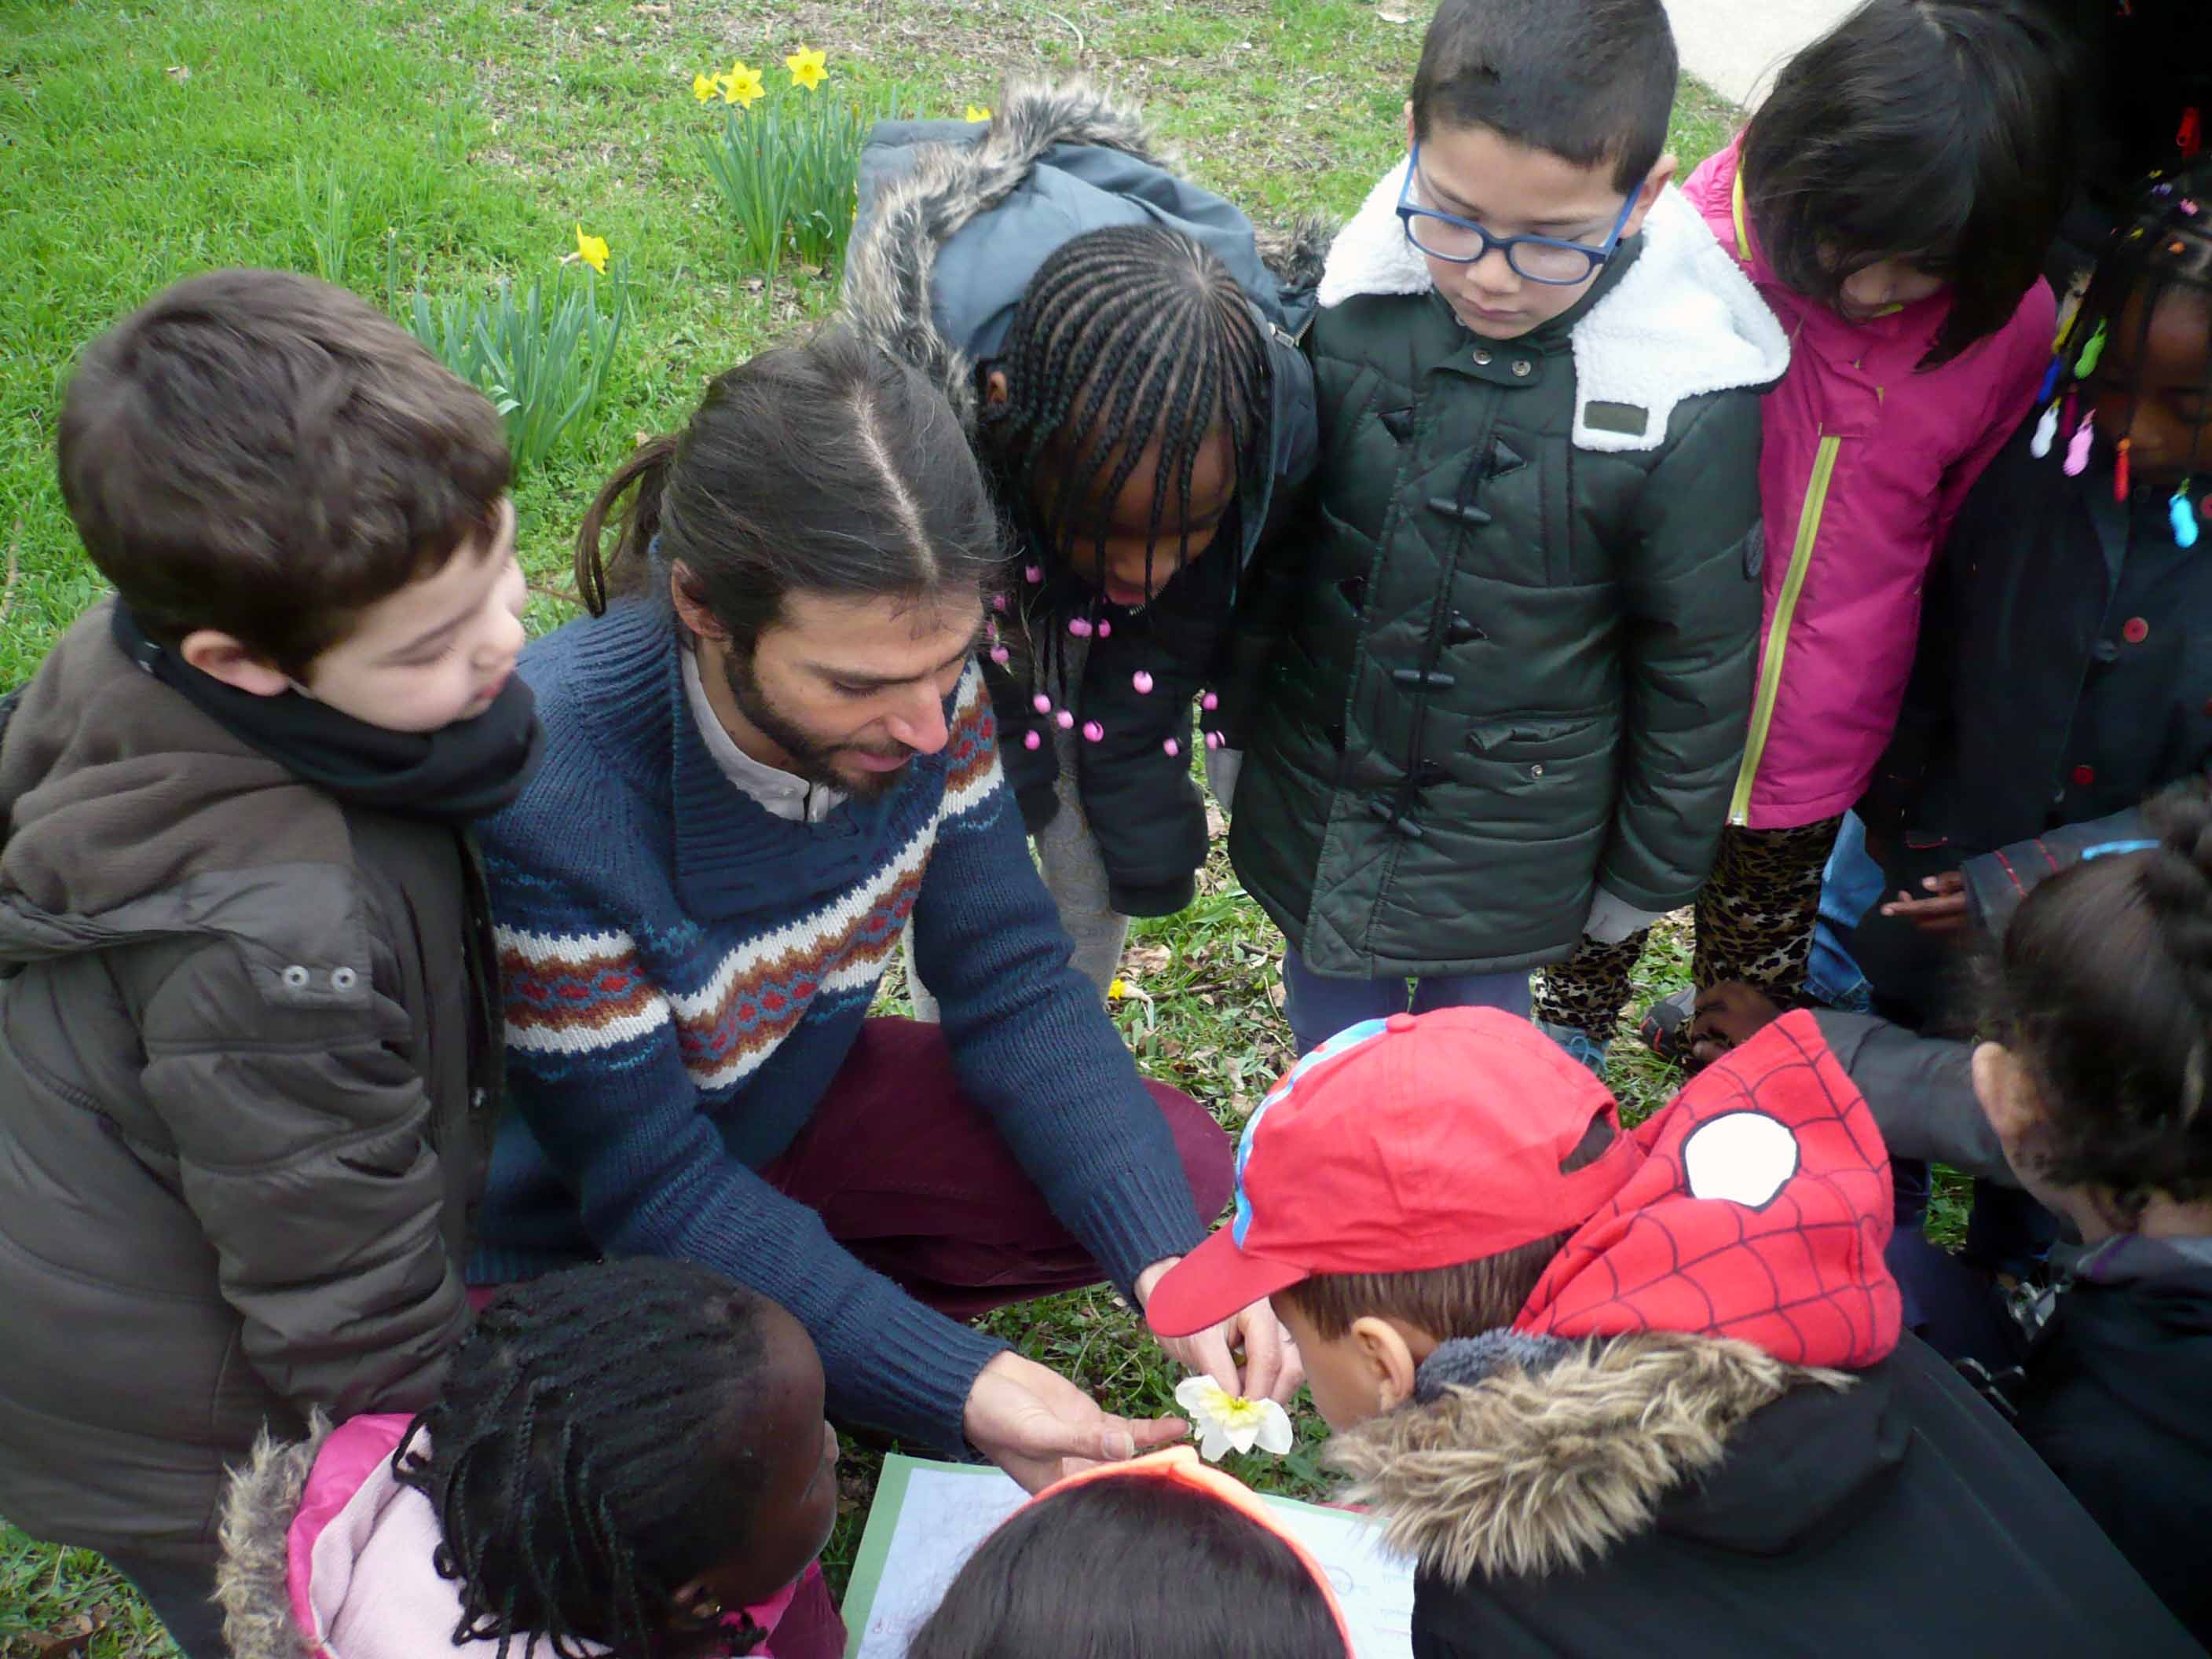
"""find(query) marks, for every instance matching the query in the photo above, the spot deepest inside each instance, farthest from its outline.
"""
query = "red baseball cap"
(1399, 1145)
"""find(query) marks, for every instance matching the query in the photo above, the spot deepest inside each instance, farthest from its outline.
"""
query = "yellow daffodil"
(742, 86)
(704, 87)
(806, 68)
(592, 250)
(1226, 1421)
(979, 112)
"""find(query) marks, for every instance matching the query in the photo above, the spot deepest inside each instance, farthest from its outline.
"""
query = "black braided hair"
(2165, 244)
(2103, 988)
(1128, 335)
(589, 1455)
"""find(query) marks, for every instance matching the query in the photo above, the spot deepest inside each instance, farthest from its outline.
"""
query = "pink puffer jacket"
(326, 1553)
(1865, 465)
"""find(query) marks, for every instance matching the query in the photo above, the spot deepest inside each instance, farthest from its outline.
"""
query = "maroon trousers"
(909, 1176)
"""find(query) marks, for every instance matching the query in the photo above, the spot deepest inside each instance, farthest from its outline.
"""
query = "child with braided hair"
(626, 1458)
(1121, 347)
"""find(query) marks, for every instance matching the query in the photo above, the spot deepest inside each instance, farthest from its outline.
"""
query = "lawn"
(398, 146)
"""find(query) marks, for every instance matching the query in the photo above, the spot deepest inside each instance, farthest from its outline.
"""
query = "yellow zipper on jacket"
(1777, 631)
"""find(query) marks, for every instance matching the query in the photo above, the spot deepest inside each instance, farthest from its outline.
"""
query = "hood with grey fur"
(1529, 1455)
(956, 218)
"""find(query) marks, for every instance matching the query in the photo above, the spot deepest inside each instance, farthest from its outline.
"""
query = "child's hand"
(1038, 1427)
(1728, 1014)
(1946, 916)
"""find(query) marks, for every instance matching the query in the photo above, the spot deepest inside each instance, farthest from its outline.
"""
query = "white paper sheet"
(929, 1517)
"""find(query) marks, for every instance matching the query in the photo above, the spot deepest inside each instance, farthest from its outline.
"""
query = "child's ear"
(1387, 1358)
(221, 657)
(2007, 1094)
(1410, 134)
(1647, 194)
(694, 1604)
(995, 389)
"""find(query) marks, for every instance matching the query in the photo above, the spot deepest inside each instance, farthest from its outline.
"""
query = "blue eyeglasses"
(1462, 241)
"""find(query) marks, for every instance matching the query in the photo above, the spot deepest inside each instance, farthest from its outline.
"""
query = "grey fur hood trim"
(888, 269)
(1553, 1456)
(252, 1580)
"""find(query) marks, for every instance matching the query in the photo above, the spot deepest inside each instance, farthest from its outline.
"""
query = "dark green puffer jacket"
(1521, 620)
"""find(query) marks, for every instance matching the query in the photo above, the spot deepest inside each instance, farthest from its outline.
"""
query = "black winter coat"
(1897, 1515)
(2064, 674)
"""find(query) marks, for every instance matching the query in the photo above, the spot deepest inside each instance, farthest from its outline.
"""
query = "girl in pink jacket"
(1891, 200)
(626, 1458)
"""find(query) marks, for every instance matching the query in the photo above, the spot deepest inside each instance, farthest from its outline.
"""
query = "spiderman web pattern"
(1801, 1276)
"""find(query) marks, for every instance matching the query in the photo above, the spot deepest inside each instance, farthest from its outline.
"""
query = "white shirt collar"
(779, 793)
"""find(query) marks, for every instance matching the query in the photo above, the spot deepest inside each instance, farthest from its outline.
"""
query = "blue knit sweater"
(685, 973)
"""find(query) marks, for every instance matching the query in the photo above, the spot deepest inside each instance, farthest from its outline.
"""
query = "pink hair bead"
(1171, 748)
(1032, 573)
(1080, 626)
(1042, 703)
(1213, 740)
(1142, 680)
(1105, 628)
(1066, 721)
(1000, 655)
(1031, 740)
(998, 602)
(1209, 702)
(1092, 731)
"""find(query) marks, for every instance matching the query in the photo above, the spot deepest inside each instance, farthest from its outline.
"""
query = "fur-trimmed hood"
(956, 218)
(1523, 1457)
(1683, 320)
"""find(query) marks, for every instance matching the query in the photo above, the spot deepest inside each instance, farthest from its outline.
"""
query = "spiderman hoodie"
(1704, 1434)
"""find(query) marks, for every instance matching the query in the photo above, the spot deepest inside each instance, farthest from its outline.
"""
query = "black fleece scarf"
(456, 774)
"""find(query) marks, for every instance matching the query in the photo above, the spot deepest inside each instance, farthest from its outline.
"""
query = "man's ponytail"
(647, 473)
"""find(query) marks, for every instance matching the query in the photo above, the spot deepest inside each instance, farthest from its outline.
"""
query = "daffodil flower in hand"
(978, 112)
(1227, 1422)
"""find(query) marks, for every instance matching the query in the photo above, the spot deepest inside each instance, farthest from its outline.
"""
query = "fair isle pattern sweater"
(685, 973)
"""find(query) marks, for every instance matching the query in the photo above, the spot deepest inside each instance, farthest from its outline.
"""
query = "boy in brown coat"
(248, 1062)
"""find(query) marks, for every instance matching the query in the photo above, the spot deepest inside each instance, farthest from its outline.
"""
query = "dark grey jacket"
(955, 220)
(243, 1103)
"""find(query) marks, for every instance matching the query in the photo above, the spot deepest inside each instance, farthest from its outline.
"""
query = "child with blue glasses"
(1518, 616)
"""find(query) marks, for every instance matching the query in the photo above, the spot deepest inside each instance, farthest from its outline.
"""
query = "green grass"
(398, 144)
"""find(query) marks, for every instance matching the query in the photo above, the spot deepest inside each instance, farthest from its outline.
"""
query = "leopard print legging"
(1755, 915)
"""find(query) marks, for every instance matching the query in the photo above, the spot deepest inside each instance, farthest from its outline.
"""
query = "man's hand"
(1944, 915)
(1038, 1427)
(1273, 1369)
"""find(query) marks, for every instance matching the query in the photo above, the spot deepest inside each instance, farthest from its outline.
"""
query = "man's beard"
(807, 756)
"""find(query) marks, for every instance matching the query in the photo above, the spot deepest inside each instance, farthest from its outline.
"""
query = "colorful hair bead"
(2077, 449)
(1000, 655)
(1209, 702)
(1213, 740)
(998, 602)
(2121, 481)
(1032, 573)
(2046, 431)
(1092, 731)
(2085, 364)
(2050, 386)
(1031, 740)
(1142, 680)
(1042, 703)
(1065, 720)
(1170, 747)
(2184, 518)
(1105, 628)
(1080, 626)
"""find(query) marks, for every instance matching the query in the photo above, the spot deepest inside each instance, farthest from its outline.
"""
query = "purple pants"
(910, 1177)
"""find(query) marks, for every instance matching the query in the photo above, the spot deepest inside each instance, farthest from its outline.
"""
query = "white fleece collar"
(1684, 320)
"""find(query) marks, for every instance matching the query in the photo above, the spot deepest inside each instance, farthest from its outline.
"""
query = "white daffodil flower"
(1227, 1422)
